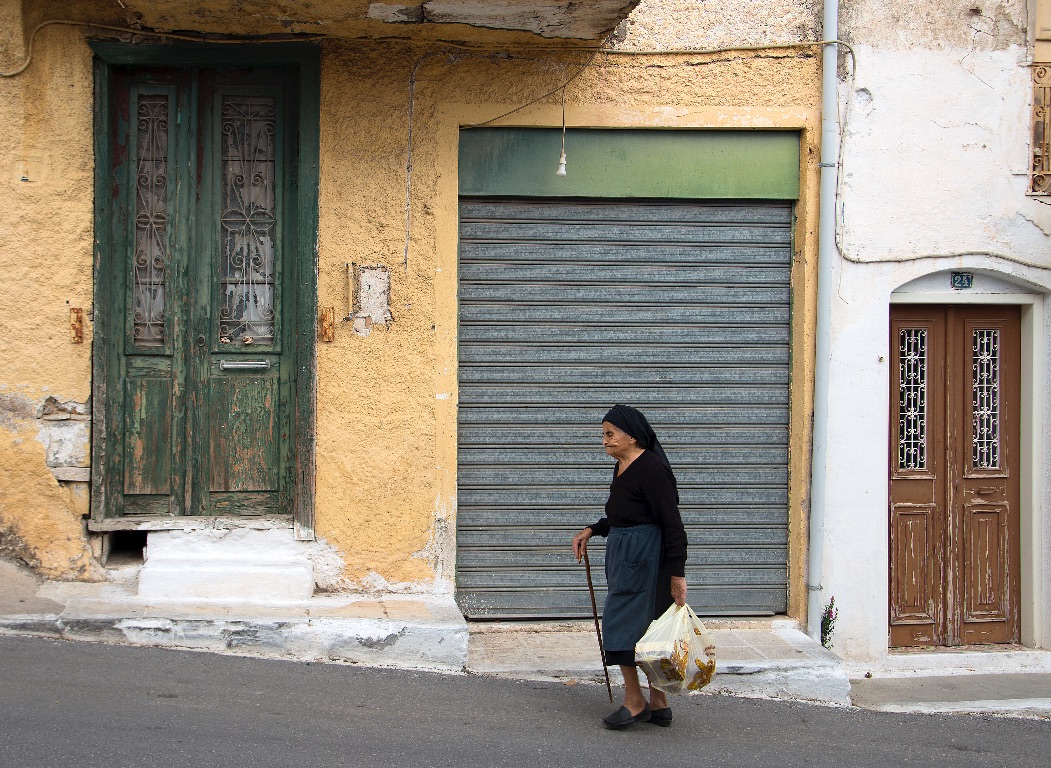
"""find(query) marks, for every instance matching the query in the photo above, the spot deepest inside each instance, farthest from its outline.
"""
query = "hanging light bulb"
(562, 157)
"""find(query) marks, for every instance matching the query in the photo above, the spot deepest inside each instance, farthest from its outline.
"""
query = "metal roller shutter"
(568, 306)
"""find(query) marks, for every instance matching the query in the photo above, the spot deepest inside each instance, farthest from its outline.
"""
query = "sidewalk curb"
(425, 645)
(1036, 709)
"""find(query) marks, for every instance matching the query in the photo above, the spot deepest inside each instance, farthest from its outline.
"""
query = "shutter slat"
(566, 307)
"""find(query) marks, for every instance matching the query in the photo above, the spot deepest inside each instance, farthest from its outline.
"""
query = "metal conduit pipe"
(827, 252)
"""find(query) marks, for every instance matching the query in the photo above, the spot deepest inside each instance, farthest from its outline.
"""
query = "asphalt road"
(84, 705)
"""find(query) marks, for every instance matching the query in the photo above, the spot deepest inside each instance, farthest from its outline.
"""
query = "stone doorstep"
(826, 686)
(286, 579)
(952, 662)
(1017, 694)
(740, 642)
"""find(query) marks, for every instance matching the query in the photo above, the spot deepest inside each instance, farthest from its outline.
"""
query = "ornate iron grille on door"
(248, 262)
(912, 399)
(985, 400)
(151, 221)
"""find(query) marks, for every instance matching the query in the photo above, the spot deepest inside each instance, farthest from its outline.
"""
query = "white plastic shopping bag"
(677, 653)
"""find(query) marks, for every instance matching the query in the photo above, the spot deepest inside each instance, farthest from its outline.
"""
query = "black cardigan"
(645, 494)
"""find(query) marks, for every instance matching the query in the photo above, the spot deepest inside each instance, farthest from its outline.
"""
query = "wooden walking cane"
(598, 630)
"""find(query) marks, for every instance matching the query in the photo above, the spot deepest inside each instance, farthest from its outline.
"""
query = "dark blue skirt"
(632, 562)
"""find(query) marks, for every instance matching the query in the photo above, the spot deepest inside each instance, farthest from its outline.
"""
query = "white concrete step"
(227, 565)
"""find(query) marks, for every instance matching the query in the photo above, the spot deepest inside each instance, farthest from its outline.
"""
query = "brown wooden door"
(954, 490)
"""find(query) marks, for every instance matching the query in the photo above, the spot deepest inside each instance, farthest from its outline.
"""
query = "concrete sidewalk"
(769, 658)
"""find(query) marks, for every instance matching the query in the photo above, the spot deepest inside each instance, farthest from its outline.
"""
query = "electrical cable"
(408, 157)
(542, 96)
(840, 212)
(130, 30)
(562, 157)
(601, 49)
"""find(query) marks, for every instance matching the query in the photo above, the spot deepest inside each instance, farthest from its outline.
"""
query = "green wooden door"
(200, 371)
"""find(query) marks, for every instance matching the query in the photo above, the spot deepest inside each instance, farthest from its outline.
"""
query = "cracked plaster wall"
(948, 131)
(940, 116)
(39, 517)
(386, 429)
(979, 25)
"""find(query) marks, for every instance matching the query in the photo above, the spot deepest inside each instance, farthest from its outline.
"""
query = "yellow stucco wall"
(386, 419)
(386, 414)
(45, 269)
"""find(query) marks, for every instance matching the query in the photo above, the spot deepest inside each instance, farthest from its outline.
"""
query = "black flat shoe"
(661, 717)
(622, 718)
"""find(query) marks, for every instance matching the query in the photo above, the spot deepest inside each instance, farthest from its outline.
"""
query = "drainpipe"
(826, 253)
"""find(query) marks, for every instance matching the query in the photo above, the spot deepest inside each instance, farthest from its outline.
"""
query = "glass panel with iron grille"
(912, 399)
(247, 256)
(151, 221)
(985, 399)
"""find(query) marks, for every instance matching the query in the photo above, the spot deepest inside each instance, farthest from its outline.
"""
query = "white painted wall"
(934, 178)
(936, 157)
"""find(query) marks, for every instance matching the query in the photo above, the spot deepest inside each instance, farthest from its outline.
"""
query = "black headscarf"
(631, 420)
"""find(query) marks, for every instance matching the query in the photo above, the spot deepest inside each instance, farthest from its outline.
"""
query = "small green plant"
(828, 622)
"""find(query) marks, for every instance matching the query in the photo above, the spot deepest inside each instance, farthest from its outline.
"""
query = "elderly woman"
(645, 554)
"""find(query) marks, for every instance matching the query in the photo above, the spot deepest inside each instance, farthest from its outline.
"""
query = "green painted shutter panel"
(569, 306)
(687, 164)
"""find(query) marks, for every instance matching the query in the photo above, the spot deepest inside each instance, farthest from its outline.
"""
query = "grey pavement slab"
(953, 688)
(769, 658)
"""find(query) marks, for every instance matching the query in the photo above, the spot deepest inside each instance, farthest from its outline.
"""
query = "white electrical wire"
(130, 30)
(839, 213)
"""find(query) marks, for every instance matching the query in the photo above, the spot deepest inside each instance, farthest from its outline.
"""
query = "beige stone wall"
(386, 429)
(689, 24)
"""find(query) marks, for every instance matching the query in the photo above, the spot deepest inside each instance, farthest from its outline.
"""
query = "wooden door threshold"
(189, 523)
(953, 649)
